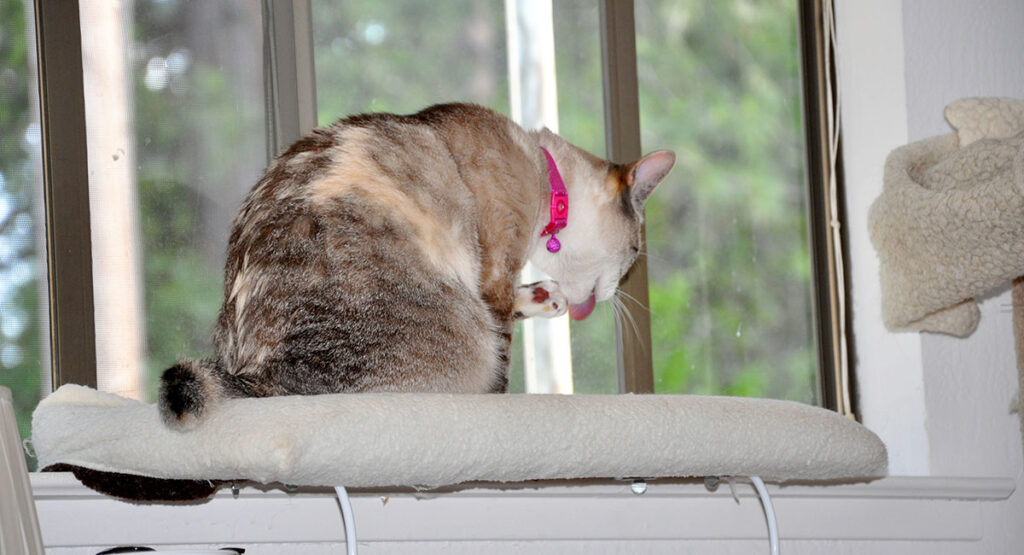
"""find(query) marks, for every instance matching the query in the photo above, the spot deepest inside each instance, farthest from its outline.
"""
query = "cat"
(382, 253)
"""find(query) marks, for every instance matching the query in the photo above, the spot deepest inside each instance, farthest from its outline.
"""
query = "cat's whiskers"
(660, 258)
(623, 314)
(627, 296)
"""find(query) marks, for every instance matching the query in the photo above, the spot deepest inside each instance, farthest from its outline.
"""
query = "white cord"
(769, 514)
(349, 521)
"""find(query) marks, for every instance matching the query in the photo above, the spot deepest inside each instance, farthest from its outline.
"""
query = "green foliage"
(22, 349)
(183, 291)
(403, 55)
(200, 145)
(727, 247)
(726, 236)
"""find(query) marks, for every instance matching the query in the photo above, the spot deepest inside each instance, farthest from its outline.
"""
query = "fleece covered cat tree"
(949, 224)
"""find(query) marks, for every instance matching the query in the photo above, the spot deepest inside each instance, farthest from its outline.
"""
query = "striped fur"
(382, 253)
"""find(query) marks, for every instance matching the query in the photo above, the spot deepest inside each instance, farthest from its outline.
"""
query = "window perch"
(120, 446)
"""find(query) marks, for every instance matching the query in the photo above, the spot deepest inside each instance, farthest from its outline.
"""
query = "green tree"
(22, 350)
(727, 237)
(726, 233)
(197, 88)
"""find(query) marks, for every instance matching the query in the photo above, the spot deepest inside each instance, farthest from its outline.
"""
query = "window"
(184, 99)
(174, 113)
(727, 241)
(24, 343)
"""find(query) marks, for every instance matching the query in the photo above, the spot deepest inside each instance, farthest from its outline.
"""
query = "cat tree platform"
(121, 447)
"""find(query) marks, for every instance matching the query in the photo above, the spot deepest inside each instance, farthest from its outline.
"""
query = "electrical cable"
(348, 519)
(769, 514)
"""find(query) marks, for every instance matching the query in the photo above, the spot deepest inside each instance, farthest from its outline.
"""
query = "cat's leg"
(509, 303)
(542, 298)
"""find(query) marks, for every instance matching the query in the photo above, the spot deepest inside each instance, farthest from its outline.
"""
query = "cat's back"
(360, 243)
(382, 176)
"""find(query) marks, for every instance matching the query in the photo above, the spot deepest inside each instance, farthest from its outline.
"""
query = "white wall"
(962, 49)
(950, 49)
(888, 366)
(941, 404)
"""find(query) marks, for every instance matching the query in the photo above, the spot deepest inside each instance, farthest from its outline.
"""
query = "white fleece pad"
(377, 440)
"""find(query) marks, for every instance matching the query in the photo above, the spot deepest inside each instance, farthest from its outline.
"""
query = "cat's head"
(602, 238)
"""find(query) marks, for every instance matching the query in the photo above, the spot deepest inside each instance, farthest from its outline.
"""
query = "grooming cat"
(382, 253)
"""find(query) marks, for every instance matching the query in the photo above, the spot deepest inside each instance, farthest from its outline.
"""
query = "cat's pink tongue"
(582, 310)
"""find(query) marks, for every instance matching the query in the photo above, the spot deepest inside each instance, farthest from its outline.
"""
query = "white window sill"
(895, 508)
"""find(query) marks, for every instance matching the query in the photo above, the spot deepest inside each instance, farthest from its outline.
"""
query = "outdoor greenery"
(22, 343)
(727, 238)
(199, 137)
(727, 235)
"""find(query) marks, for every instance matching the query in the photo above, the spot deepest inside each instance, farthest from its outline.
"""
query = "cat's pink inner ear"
(648, 172)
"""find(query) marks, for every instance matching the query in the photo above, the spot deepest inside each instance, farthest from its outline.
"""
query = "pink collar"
(559, 204)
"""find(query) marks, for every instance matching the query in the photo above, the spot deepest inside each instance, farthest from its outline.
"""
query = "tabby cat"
(382, 253)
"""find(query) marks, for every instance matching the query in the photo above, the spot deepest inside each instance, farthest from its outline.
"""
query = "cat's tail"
(189, 388)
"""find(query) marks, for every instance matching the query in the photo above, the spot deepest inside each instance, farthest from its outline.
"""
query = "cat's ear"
(645, 174)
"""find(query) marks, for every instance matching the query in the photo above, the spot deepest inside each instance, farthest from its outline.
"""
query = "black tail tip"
(182, 396)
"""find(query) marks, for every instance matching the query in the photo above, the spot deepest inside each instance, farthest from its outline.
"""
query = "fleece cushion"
(429, 440)
(949, 224)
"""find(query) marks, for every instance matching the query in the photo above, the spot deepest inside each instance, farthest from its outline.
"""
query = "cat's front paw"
(543, 298)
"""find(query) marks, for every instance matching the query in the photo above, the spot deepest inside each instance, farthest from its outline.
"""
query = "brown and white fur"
(382, 253)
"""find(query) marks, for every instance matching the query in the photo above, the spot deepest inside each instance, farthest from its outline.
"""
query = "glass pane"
(581, 121)
(727, 245)
(24, 338)
(402, 56)
(175, 118)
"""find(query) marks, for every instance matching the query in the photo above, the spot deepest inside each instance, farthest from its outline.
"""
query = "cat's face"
(602, 238)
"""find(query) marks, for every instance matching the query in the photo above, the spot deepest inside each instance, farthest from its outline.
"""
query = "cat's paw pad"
(543, 298)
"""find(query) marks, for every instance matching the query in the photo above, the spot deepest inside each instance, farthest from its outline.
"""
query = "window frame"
(826, 209)
(291, 112)
(622, 140)
(66, 193)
